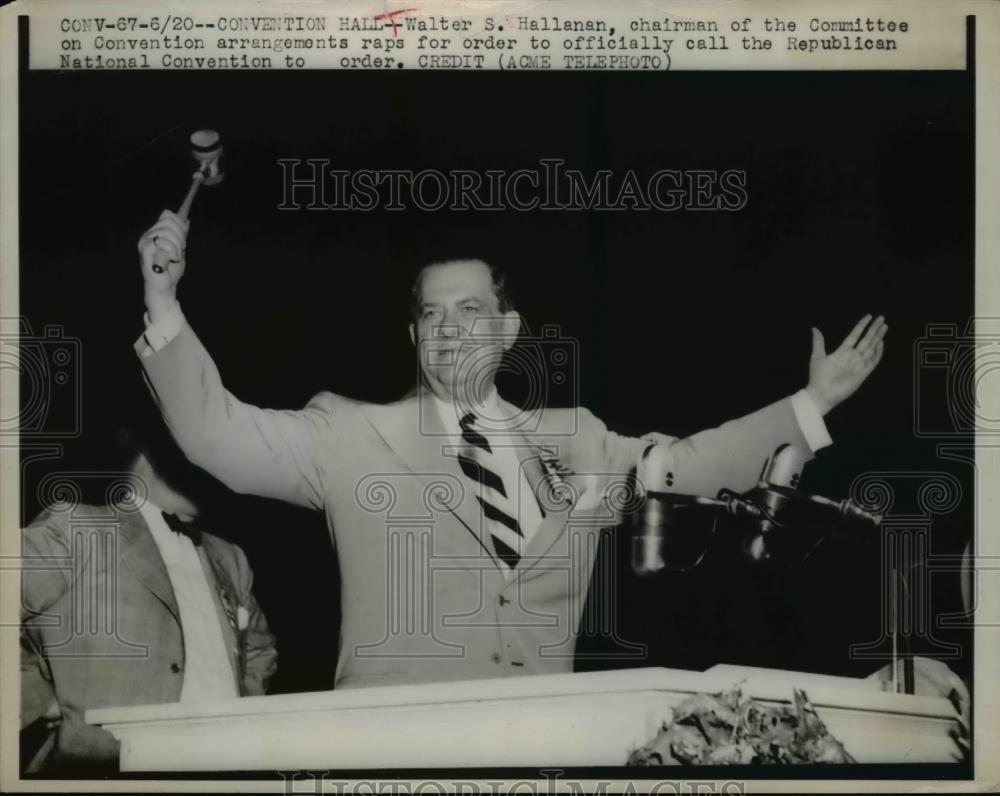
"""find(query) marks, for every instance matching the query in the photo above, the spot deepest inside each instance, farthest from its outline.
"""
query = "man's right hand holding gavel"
(163, 244)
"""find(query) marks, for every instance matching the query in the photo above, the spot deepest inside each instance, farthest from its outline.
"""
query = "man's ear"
(413, 334)
(511, 325)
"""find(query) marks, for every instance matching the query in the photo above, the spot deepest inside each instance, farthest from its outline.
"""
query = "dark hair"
(127, 447)
(498, 276)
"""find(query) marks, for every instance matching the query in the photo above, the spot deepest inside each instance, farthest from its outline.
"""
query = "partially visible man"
(128, 604)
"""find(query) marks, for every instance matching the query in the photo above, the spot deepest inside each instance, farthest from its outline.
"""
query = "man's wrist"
(160, 306)
(823, 405)
(810, 420)
(161, 329)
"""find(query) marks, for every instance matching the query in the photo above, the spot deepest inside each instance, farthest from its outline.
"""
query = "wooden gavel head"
(206, 148)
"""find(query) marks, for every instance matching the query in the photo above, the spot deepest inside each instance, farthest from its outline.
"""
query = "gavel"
(206, 149)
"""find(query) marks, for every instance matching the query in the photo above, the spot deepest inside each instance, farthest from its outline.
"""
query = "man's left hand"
(835, 376)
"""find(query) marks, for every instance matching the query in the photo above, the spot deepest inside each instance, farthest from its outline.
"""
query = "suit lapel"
(554, 502)
(142, 557)
(415, 433)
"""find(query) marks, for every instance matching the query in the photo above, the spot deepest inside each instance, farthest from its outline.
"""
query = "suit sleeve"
(732, 455)
(261, 660)
(48, 565)
(46, 575)
(41, 713)
(272, 453)
(38, 695)
(729, 456)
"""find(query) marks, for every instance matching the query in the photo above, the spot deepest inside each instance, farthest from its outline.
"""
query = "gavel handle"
(159, 265)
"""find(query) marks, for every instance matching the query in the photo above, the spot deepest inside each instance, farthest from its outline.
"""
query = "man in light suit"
(129, 603)
(466, 529)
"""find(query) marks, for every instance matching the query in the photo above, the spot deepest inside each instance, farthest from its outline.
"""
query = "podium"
(565, 720)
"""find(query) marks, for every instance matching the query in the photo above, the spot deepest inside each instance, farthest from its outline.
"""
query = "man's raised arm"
(257, 451)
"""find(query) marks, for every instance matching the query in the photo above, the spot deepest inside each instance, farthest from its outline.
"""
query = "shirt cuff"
(158, 335)
(810, 421)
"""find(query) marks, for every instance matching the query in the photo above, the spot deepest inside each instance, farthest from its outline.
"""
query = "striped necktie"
(478, 464)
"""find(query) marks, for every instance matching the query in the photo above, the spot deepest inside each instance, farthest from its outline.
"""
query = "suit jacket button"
(175, 668)
(495, 657)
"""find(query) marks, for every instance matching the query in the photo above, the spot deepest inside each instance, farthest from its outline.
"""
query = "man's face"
(460, 333)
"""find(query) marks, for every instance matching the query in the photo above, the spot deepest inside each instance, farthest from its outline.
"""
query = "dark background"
(860, 200)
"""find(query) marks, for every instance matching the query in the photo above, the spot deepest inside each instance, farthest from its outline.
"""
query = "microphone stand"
(902, 649)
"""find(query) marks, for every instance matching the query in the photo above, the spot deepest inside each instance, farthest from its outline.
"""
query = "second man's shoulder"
(69, 516)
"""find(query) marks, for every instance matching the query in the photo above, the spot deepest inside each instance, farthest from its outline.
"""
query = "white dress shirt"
(810, 421)
(208, 673)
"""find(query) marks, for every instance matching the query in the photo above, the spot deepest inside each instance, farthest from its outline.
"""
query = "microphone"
(782, 523)
(847, 521)
(787, 513)
(654, 519)
(671, 530)
(782, 468)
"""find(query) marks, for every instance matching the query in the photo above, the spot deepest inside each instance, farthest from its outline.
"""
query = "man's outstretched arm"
(257, 451)
(732, 455)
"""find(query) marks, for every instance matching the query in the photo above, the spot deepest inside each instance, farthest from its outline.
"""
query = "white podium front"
(585, 719)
